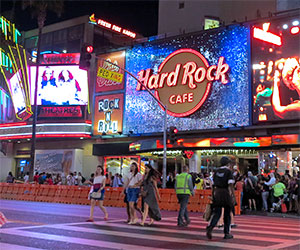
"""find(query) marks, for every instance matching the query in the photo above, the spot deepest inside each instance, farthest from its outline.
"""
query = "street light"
(165, 118)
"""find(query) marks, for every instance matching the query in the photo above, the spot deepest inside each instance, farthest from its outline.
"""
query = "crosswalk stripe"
(259, 222)
(288, 228)
(16, 247)
(271, 232)
(76, 240)
(155, 237)
(285, 245)
(157, 229)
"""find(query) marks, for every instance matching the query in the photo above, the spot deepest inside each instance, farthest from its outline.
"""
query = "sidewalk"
(262, 213)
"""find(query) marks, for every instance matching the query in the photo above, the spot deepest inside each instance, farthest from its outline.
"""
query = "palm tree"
(39, 9)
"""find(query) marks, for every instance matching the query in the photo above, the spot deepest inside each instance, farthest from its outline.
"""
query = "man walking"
(184, 188)
(223, 196)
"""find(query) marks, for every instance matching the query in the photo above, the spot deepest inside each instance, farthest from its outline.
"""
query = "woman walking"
(97, 193)
(150, 194)
(134, 181)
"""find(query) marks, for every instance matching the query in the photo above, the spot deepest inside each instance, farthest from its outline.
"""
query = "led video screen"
(60, 85)
(276, 70)
(225, 105)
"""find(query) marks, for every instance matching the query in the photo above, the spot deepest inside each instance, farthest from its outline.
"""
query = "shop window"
(75, 33)
(60, 36)
(47, 39)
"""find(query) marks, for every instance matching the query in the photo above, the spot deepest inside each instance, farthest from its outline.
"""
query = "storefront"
(219, 88)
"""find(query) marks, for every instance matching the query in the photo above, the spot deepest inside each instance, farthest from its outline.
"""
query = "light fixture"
(295, 30)
(285, 26)
(296, 22)
(64, 51)
(19, 141)
(28, 139)
(220, 126)
(81, 138)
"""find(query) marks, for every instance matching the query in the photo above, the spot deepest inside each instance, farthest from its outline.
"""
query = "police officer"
(223, 196)
(184, 188)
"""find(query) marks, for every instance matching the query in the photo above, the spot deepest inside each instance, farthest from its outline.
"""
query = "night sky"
(138, 16)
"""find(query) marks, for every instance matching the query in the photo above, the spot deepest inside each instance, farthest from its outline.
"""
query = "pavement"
(38, 225)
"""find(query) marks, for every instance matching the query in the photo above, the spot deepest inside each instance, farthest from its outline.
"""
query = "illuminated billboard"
(60, 85)
(17, 93)
(276, 70)
(214, 92)
(110, 76)
(108, 115)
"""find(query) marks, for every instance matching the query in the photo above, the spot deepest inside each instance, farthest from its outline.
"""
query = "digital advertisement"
(108, 115)
(276, 70)
(203, 80)
(60, 85)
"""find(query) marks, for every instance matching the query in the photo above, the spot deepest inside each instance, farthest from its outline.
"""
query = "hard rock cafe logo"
(183, 81)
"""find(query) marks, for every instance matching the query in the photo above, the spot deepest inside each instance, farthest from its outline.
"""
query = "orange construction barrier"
(113, 196)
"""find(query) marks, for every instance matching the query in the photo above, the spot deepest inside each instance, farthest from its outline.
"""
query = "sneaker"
(188, 222)
(208, 232)
(233, 225)
(228, 236)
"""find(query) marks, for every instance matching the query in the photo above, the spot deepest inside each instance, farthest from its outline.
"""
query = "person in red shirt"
(36, 178)
(49, 180)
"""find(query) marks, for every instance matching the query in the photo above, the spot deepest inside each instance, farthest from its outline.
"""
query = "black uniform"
(221, 198)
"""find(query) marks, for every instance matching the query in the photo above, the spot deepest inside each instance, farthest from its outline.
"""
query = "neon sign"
(107, 25)
(266, 36)
(5, 61)
(66, 58)
(9, 30)
(183, 81)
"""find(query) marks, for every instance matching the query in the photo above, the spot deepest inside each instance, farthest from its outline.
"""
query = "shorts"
(133, 194)
(101, 197)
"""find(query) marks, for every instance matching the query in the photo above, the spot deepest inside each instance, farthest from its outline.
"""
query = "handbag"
(144, 193)
(208, 212)
(95, 195)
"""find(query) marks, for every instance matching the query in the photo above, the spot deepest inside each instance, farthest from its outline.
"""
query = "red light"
(267, 36)
(295, 30)
(89, 49)
(175, 130)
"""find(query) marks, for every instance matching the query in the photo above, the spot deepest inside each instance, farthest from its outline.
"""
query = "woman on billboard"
(290, 75)
(48, 87)
(70, 91)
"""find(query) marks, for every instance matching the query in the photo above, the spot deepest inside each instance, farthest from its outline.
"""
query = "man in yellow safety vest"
(184, 189)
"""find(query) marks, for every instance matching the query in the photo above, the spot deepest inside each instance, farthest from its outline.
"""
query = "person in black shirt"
(223, 196)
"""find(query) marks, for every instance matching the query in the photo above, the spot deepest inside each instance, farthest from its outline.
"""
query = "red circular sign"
(183, 81)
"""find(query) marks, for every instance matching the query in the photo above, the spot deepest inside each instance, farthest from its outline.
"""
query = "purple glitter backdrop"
(225, 105)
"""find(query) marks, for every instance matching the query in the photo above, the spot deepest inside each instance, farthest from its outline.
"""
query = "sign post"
(165, 118)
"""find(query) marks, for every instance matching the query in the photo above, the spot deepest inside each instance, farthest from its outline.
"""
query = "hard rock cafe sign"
(183, 81)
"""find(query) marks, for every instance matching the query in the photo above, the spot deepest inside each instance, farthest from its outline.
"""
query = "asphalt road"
(37, 225)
